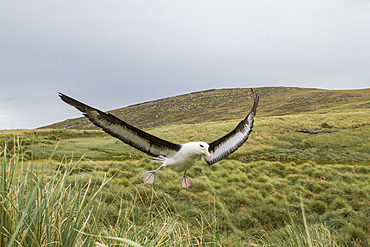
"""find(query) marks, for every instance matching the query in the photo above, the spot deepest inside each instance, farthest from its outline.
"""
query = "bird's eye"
(201, 145)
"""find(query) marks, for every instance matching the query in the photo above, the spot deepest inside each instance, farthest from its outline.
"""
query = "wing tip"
(249, 121)
(75, 103)
(62, 96)
(256, 99)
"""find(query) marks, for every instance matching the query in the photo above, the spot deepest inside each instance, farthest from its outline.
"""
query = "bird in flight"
(178, 157)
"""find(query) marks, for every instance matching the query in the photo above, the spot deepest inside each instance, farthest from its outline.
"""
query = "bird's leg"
(148, 177)
(186, 181)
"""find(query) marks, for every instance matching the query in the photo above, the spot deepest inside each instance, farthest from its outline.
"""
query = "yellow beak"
(207, 153)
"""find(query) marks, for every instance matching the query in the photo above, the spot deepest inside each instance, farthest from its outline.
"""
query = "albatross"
(178, 157)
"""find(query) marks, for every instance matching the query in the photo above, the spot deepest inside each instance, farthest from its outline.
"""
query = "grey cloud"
(117, 53)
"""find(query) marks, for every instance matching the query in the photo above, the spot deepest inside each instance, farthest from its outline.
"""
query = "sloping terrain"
(224, 104)
(296, 159)
(317, 161)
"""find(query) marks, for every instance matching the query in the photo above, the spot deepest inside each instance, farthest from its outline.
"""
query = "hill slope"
(252, 198)
(224, 104)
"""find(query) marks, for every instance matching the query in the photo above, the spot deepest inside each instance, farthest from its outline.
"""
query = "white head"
(202, 148)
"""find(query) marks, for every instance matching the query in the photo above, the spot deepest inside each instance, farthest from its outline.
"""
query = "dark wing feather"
(229, 143)
(127, 133)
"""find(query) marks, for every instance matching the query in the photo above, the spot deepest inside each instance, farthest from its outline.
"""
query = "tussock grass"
(151, 220)
(298, 138)
(40, 211)
(255, 203)
(250, 199)
(43, 207)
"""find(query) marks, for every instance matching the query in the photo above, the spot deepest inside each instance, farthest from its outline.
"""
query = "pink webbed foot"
(148, 177)
(186, 182)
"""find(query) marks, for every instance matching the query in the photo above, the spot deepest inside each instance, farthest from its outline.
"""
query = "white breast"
(183, 160)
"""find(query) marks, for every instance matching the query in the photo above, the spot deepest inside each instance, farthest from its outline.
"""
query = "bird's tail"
(160, 159)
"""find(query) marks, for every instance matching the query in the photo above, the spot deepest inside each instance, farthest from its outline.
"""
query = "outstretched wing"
(127, 133)
(229, 143)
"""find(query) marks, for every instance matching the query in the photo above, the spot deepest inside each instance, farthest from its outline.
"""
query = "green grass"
(300, 180)
(231, 203)
(298, 138)
(40, 206)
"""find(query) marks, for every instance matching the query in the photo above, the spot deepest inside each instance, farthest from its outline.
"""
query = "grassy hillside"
(339, 134)
(222, 105)
(300, 179)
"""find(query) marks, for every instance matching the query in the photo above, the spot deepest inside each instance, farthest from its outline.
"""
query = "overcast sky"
(111, 54)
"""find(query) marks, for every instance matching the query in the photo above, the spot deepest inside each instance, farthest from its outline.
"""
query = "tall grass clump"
(40, 206)
(40, 211)
(293, 234)
(151, 220)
